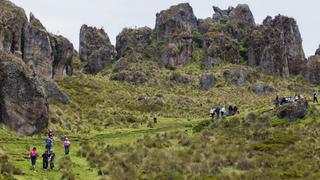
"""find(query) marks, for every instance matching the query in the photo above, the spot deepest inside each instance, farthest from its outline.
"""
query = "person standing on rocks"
(315, 96)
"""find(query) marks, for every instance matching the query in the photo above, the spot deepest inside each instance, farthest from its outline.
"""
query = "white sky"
(65, 17)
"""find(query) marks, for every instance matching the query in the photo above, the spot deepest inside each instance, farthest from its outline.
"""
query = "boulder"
(63, 53)
(133, 40)
(295, 111)
(179, 78)
(276, 47)
(174, 29)
(239, 75)
(260, 88)
(220, 49)
(312, 69)
(37, 51)
(207, 81)
(12, 22)
(96, 51)
(121, 64)
(134, 77)
(23, 104)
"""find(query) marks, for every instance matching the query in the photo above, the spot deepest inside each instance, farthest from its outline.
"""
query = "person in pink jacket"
(33, 156)
(66, 144)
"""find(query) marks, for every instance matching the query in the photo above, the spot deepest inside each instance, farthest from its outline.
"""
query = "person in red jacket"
(33, 157)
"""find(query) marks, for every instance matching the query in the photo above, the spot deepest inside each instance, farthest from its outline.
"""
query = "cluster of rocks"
(30, 59)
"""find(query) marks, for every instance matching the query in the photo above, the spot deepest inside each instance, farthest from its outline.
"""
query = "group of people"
(48, 156)
(289, 100)
(232, 110)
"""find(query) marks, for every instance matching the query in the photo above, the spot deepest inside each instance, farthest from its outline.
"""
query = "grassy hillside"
(113, 137)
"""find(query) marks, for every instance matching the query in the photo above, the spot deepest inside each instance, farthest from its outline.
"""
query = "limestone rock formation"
(133, 40)
(174, 29)
(207, 81)
(52, 91)
(220, 49)
(240, 75)
(276, 47)
(260, 88)
(63, 53)
(37, 52)
(12, 22)
(96, 51)
(318, 51)
(23, 105)
(312, 69)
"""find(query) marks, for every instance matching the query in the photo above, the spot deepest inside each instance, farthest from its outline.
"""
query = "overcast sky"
(65, 17)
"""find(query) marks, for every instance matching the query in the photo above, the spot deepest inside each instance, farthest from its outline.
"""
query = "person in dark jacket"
(230, 111)
(51, 159)
(45, 159)
(277, 102)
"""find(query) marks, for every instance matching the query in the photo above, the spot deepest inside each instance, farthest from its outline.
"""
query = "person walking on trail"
(33, 156)
(212, 113)
(315, 96)
(66, 144)
(48, 144)
(277, 102)
(51, 159)
(45, 159)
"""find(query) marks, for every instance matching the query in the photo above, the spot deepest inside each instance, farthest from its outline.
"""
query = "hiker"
(217, 112)
(155, 119)
(315, 96)
(296, 98)
(50, 134)
(49, 144)
(212, 113)
(45, 159)
(223, 111)
(66, 145)
(33, 157)
(236, 110)
(51, 159)
(230, 111)
(283, 101)
(277, 102)
(290, 100)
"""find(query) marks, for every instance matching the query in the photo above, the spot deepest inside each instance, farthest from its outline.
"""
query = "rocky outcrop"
(62, 57)
(240, 75)
(53, 92)
(133, 77)
(12, 23)
(174, 30)
(312, 69)
(207, 81)
(96, 51)
(133, 40)
(318, 51)
(276, 47)
(261, 88)
(37, 52)
(23, 105)
(294, 111)
(220, 49)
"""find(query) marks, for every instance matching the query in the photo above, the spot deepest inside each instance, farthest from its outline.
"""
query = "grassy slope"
(104, 111)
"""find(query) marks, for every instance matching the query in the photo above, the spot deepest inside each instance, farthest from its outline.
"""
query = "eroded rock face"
(220, 49)
(240, 75)
(177, 19)
(62, 53)
(133, 40)
(24, 107)
(12, 22)
(37, 52)
(174, 29)
(261, 88)
(318, 51)
(312, 70)
(207, 81)
(52, 91)
(96, 51)
(276, 47)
